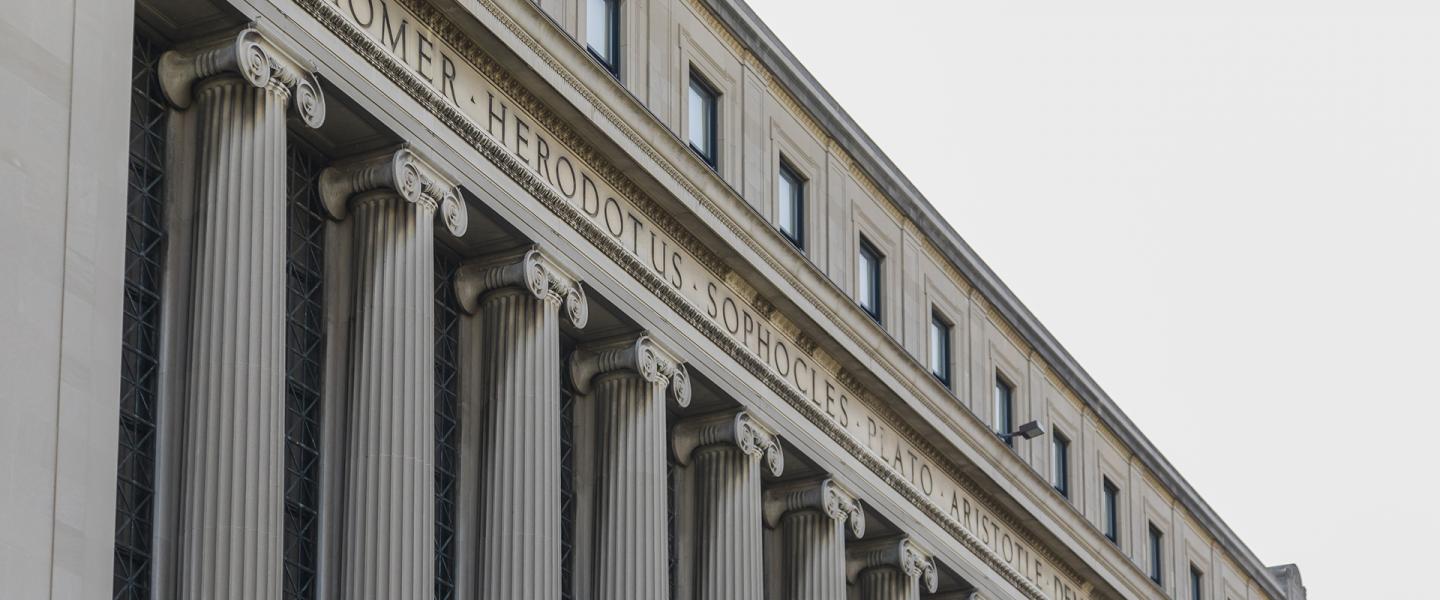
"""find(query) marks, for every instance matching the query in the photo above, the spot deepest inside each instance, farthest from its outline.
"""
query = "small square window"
(602, 32)
(940, 348)
(790, 206)
(1061, 460)
(1004, 410)
(702, 120)
(868, 281)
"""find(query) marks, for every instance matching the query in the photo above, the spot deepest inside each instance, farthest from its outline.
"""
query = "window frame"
(1060, 461)
(1001, 383)
(866, 250)
(946, 334)
(612, 18)
(1155, 547)
(798, 183)
(1197, 583)
(1110, 507)
(710, 155)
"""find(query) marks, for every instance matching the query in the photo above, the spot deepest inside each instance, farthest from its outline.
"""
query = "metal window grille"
(567, 493)
(447, 430)
(304, 369)
(672, 538)
(140, 342)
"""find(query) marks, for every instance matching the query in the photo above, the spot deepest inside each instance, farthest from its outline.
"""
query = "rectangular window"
(790, 206)
(1157, 555)
(602, 32)
(940, 348)
(867, 284)
(1004, 409)
(1061, 466)
(1197, 583)
(703, 114)
(1110, 503)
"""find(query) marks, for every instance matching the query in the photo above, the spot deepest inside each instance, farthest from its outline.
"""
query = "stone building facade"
(509, 299)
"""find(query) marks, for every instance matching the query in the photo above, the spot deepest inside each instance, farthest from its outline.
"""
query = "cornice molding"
(400, 171)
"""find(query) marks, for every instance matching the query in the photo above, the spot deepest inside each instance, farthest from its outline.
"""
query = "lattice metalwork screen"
(140, 342)
(672, 538)
(447, 425)
(304, 368)
(567, 491)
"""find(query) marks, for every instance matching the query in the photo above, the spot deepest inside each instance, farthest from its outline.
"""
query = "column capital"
(400, 170)
(898, 553)
(251, 56)
(641, 354)
(526, 268)
(735, 428)
(824, 495)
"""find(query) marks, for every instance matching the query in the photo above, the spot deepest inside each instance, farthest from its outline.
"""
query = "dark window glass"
(447, 419)
(1197, 583)
(140, 329)
(867, 283)
(1157, 554)
(304, 368)
(703, 117)
(1061, 462)
(1004, 409)
(1111, 506)
(602, 32)
(790, 208)
(940, 348)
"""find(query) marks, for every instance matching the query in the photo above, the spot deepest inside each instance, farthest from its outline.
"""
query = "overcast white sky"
(1229, 213)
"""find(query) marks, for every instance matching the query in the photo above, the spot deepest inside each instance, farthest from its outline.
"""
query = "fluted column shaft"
(233, 472)
(814, 555)
(520, 452)
(389, 547)
(631, 556)
(887, 583)
(728, 562)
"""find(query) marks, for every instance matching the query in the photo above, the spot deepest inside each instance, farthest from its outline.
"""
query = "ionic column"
(388, 547)
(518, 298)
(727, 450)
(232, 511)
(811, 516)
(628, 381)
(893, 569)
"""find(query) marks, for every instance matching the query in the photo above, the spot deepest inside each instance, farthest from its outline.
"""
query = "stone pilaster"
(811, 516)
(727, 450)
(232, 511)
(628, 381)
(893, 569)
(518, 298)
(389, 529)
